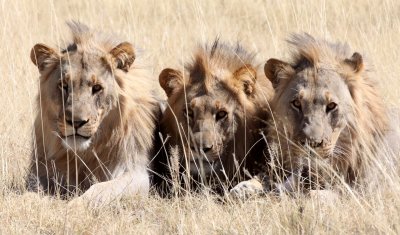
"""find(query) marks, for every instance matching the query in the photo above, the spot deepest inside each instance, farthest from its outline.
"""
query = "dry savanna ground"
(166, 32)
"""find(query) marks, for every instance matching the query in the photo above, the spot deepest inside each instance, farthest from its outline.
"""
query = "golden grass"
(167, 32)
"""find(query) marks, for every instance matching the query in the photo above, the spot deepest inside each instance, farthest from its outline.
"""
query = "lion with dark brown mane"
(96, 120)
(214, 116)
(329, 119)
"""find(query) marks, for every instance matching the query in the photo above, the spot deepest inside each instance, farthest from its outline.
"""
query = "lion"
(329, 118)
(97, 116)
(216, 109)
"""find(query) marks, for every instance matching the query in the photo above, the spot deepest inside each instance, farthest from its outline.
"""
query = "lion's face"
(208, 118)
(313, 104)
(211, 125)
(85, 91)
(81, 89)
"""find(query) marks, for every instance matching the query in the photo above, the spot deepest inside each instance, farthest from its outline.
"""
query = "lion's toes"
(97, 195)
(247, 189)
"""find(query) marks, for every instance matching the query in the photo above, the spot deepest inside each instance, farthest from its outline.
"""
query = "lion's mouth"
(76, 141)
(78, 136)
(204, 167)
(209, 154)
(313, 150)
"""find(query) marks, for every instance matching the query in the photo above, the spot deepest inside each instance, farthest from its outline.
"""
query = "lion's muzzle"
(77, 126)
(204, 167)
(76, 123)
(206, 143)
(311, 134)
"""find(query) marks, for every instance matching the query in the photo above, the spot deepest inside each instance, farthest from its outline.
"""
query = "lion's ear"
(247, 76)
(356, 62)
(44, 57)
(123, 56)
(274, 70)
(170, 80)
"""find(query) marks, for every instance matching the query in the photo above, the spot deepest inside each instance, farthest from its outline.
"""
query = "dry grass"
(167, 32)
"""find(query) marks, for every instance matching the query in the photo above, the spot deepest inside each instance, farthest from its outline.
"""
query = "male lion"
(329, 118)
(96, 120)
(216, 109)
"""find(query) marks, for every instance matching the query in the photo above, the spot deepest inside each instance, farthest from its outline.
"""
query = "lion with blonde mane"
(216, 109)
(329, 120)
(96, 120)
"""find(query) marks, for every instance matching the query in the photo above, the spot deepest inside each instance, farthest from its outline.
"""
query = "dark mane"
(217, 55)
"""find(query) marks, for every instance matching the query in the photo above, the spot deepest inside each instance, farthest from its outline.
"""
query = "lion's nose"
(77, 123)
(75, 120)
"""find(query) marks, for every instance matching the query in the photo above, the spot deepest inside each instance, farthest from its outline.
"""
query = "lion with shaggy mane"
(329, 118)
(214, 116)
(96, 120)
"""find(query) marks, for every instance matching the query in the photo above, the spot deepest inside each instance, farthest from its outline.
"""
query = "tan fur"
(342, 139)
(221, 77)
(121, 129)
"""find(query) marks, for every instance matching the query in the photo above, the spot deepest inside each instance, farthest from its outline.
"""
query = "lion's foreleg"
(130, 183)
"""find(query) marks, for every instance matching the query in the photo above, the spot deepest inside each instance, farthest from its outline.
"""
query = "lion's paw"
(97, 195)
(246, 189)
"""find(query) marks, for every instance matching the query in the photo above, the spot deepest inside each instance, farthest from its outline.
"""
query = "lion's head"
(213, 108)
(81, 85)
(326, 102)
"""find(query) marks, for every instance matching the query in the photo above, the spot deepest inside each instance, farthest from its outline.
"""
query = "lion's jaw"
(204, 168)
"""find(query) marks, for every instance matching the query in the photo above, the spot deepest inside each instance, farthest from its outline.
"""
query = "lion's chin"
(76, 142)
(198, 168)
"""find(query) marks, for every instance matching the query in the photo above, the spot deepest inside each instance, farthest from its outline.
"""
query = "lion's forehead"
(211, 102)
(324, 85)
(83, 70)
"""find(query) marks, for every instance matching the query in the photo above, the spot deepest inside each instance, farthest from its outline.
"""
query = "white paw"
(104, 193)
(247, 189)
(97, 195)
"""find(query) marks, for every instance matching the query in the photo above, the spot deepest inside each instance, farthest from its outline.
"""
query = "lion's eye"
(297, 104)
(331, 106)
(188, 113)
(63, 85)
(221, 115)
(96, 88)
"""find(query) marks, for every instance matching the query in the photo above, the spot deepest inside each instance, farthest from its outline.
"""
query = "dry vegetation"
(166, 31)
